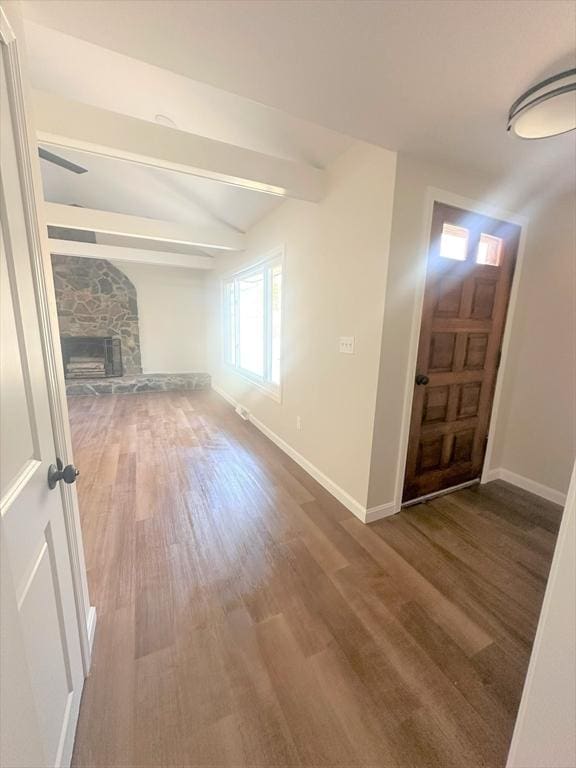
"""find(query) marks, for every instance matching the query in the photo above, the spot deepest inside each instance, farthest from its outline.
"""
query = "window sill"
(271, 390)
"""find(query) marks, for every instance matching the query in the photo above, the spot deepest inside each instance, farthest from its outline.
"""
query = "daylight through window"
(252, 302)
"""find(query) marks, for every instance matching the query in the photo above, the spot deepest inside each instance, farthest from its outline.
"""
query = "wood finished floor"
(245, 618)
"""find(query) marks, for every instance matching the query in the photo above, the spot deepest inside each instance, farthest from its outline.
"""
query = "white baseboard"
(357, 509)
(91, 625)
(225, 395)
(343, 497)
(545, 492)
(382, 510)
(489, 475)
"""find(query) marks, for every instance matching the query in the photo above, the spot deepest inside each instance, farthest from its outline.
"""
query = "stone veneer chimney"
(94, 298)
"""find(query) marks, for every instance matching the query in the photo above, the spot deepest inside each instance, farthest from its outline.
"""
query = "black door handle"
(421, 379)
(58, 472)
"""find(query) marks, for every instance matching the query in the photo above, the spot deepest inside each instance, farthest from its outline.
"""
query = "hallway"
(246, 618)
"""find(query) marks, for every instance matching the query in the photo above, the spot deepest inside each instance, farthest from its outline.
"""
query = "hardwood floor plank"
(105, 732)
(503, 538)
(158, 712)
(374, 736)
(499, 569)
(489, 607)
(469, 635)
(317, 737)
(503, 673)
(424, 680)
(247, 620)
(265, 734)
(457, 668)
(382, 679)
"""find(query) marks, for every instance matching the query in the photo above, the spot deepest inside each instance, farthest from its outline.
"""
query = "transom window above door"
(454, 245)
(454, 242)
(489, 249)
(252, 322)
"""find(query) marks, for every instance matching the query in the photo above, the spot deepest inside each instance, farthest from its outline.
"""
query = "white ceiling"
(94, 75)
(433, 78)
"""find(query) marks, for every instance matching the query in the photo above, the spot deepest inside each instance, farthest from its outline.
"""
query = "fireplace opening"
(91, 357)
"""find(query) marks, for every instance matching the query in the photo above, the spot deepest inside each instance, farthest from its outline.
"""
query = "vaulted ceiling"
(90, 74)
(123, 187)
(433, 78)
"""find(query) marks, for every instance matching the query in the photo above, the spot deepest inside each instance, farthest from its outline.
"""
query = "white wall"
(545, 732)
(536, 434)
(172, 317)
(546, 302)
(336, 256)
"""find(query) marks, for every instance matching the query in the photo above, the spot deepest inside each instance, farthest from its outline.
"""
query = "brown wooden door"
(468, 280)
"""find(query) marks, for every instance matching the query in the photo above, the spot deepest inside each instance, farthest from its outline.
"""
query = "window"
(454, 242)
(454, 245)
(489, 249)
(252, 322)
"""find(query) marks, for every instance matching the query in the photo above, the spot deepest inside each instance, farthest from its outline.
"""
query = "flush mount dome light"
(547, 109)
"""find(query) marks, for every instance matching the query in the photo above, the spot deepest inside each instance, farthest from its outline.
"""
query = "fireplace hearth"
(91, 357)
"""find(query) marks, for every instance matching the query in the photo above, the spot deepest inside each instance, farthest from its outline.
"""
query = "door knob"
(422, 379)
(58, 472)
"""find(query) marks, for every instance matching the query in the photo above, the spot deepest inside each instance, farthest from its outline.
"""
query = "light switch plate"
(347, 345)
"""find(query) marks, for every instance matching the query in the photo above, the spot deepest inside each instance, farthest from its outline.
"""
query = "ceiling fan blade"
(62, 162)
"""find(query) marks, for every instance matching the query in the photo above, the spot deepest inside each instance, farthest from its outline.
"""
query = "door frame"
(37, 233)
(437, 195)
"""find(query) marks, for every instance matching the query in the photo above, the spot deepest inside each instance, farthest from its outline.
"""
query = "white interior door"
(41, 673)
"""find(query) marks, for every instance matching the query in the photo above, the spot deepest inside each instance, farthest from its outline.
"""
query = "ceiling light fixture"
(546, 109)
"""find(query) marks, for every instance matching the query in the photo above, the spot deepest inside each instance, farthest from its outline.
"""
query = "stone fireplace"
(95, 299)
(99, 332)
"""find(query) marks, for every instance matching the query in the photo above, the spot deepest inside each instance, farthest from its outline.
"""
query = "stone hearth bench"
(141, 382)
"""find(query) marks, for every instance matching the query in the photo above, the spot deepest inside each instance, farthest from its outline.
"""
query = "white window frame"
(266, 264)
